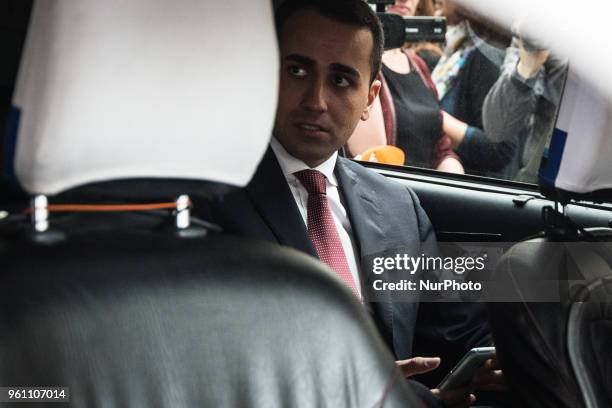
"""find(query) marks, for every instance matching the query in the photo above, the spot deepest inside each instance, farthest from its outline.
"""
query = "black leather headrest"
(144, 318)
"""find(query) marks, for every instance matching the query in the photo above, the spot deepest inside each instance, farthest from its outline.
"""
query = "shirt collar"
(290, 164)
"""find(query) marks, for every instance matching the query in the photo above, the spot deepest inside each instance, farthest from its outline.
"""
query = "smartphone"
(465, 369)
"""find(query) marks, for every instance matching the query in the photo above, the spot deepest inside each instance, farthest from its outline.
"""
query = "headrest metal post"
(183, 214)
(40, 213)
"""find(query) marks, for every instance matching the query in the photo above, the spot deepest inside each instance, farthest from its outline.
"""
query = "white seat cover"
(145, 88)
(579, 155)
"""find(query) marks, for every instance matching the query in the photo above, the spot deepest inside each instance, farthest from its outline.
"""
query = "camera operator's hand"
(530, 62)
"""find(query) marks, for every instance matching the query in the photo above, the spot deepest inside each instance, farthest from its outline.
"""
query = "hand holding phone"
(466, 368)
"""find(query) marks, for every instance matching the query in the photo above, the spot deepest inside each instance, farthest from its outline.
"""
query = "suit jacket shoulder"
(394, 207)
(264, 209)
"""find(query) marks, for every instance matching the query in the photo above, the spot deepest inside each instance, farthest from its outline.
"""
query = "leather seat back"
(553, 344)
(589, 333)
(140, 319)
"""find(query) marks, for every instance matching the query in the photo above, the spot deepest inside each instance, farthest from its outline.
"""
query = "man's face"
(324, 85)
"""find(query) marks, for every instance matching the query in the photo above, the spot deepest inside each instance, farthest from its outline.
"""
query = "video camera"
(400, 30)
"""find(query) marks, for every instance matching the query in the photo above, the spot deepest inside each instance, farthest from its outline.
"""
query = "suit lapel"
(271, 196)
(364, 209)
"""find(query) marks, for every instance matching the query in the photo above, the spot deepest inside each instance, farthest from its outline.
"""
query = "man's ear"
(372, 94)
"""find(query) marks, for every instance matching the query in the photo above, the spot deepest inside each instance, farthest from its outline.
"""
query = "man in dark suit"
(304, 196)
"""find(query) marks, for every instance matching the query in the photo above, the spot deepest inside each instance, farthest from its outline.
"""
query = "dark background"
(14, 17)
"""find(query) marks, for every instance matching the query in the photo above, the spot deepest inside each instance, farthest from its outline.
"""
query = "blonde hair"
(425, 8)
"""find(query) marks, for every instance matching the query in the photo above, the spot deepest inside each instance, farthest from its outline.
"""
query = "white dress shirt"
(290, 165)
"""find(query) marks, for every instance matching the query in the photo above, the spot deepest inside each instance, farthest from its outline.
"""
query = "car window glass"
(483, 102)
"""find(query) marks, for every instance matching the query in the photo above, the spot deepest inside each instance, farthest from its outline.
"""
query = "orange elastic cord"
(107, 207)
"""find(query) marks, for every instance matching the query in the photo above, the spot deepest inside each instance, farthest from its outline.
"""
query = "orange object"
(384, 154)
(107, 207)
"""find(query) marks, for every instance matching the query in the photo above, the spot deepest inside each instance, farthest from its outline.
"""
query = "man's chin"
(311, 155)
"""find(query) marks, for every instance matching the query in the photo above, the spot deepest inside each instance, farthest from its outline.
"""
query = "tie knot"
(312, 180)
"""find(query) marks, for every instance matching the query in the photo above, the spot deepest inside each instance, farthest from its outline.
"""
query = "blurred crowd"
(484, 102)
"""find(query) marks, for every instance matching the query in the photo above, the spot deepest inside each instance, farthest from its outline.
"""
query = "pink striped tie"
(321, 228)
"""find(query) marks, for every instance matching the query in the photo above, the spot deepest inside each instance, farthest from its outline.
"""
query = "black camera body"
(428, 29)
(399, 30)
(382, 2)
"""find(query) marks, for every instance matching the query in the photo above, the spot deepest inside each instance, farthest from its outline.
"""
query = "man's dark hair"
(353, 12)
